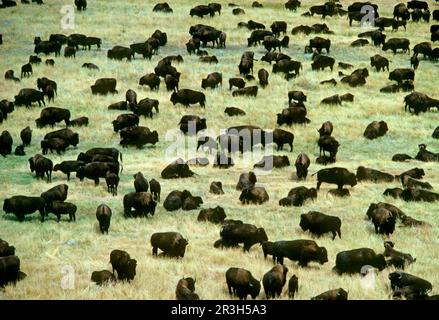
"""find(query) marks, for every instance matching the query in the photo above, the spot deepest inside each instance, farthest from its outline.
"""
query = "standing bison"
(187, 97)
(171, 243)
(242, 283)
(303, 251)
(274, 280)
(123, 264)
(103, 215)
(319, 223)
(142, 202)
(353, 261)
(336, 175)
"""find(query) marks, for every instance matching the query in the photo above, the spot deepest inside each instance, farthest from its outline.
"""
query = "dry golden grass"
(44, 248)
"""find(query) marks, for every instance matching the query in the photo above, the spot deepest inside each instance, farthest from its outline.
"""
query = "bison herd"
(106, 162)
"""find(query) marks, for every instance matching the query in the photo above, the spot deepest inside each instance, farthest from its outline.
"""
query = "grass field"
(45, 248)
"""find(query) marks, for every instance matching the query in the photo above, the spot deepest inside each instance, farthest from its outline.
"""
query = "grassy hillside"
(45, 248)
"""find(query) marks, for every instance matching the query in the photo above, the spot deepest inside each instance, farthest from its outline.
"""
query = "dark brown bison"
(120, 52)
(138, 136)
(274, 280)
(142, 202)
(376, 129)
(186, 289)
(140, 182)
(303, 251)
(354, 261)
(319, 223)
(216, 187)
(5, 143)
(59, 208)
(123, 264)
(23, 205)
(263, 77)
(103, 277)
(400, 280)
(103, 215)
(246, 64)
(414, 194)
(302, 164)
(297, 196)
(247, 234)
(125, 120)
(336, 175)
(383, 220)
(241, 282)
(52, 115)
(213, 80)
(104, 86)
(270, 162)
(151, 80)
(177, 169)
(187, 97)
(256, 195)
(9, 269)
(214, 215)
(329, 144)
(293, 286)
(27, 96)
(42, 166)
(155, 189)
(247, 91)
(397, 259)
(233, 111)
(334, 294)
(171, 243)
(397, 43)
(368, 174)
(379, 62)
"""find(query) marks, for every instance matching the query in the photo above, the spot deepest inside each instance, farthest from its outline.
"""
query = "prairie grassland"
(45, 248)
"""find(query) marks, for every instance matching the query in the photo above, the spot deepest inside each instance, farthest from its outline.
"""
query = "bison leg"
(291, 146)
(339, 233)
(154, 251)
(96, 181)
(319, 183)
(68, 176)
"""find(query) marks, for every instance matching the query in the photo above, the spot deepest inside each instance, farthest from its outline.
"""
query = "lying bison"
(368, 174)
(376, 129)
(177, 169)
(353, 261)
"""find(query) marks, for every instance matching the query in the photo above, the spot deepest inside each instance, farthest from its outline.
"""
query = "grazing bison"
(353, 261)
(52, 115)
(123, 264)
(120, 52)
(96, 170)
(70, 137)
(244, 233)
(336, 175)
(145, 107)
(215, 215)
(27, 96)
(326, 129)
(23, 205)
(292, 115)
(42, 166)
(335, 99)
(236, 82)
(125, 120)
(367, 174)
(112, 180)
(394, 210)
(302, 164)
(319, 223)
(213, 80)
(256, 195)
(103, 215)
(303, 251)
(186, 290)
(90, 66)
(142, 202)
(242, 283)
(177, 169)
(187, 97)
(60, 207)
(26, 136)
(267, 248)
(319, 43)
(102, 277)
(57, 193)
(155, 189)
(320, 62)
(246, 64)
(397, 43)
(104, 86)
(401, 74)
(171, 243)
(274, 280)
(330, 144)
(57, 144)
(379, 62)
(263, 77)
(332, 295)
(151, 80)
(299, 96)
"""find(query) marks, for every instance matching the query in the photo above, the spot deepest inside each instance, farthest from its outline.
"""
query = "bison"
(171, 243)
(242, 283)
(319, 223)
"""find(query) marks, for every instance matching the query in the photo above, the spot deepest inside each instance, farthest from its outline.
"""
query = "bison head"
(352, 180)
(261, 235)
(322, 255)
(154, 137)
(74, 140)
(131, 269)
(80, 173)
(380, 262)
(7, 206)
(304, 223)
(174, 98)
(181, 247)
(254, 287)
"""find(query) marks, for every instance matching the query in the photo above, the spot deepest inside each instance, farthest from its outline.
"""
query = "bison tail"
(121, 157)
